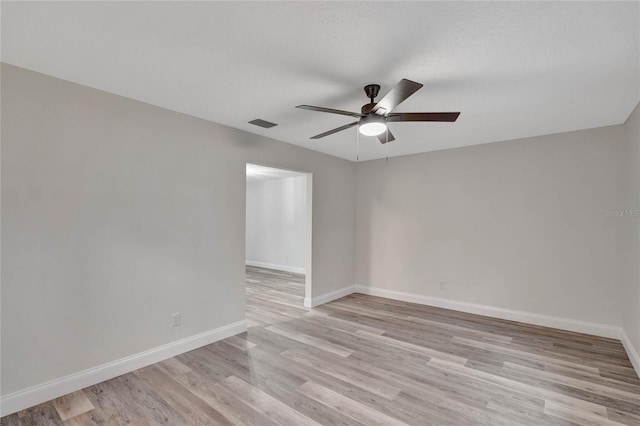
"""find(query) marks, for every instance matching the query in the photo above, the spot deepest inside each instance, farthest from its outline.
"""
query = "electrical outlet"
(441, 285)
(175, 319)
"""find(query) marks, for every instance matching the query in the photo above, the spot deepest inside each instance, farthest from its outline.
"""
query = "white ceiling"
(514, 69)
(257, 173)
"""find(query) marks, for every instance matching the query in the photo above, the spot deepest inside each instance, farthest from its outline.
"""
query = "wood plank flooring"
(363, 360)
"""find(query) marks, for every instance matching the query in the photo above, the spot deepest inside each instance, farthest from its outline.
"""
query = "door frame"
(308, 267)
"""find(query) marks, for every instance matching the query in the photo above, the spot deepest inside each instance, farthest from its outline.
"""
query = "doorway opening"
(278, 241)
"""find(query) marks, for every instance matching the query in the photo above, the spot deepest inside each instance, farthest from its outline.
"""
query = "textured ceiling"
(514, 69)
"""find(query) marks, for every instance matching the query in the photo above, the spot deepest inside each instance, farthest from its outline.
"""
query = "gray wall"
(277, 222)
(631, 240)
(518, 225)
(116, 213)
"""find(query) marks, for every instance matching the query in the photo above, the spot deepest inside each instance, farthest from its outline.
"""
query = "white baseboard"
(634, 357)
(47, 391)
(285, 268)
(560, 323)
(328, 297)
(490, 311)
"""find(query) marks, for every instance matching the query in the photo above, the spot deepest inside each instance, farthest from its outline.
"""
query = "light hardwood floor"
(363, 360)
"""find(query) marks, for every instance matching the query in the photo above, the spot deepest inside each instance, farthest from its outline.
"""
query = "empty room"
(320, 213)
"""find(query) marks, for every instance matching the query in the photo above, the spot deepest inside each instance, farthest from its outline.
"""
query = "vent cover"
(262, 123)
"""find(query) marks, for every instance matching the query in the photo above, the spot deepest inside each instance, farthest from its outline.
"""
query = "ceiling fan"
(373, 117)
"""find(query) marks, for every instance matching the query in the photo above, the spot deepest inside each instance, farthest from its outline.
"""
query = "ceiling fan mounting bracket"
(372, 91)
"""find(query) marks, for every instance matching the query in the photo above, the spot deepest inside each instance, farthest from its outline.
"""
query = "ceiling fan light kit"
(373, 117)
(372, 125)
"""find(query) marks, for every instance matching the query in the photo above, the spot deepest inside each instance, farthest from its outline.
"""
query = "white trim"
(286, 268)
(308, 272)
(47, 391)
(631, 351)
(328, 297)
(567, 324)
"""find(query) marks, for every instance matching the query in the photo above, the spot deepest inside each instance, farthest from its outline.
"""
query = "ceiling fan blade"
(396, 96)
(336, 130)
(329, 110)
(382, 137)
(423, 116)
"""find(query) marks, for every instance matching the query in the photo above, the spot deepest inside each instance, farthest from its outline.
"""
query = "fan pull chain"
(358, 142)
(386, 145)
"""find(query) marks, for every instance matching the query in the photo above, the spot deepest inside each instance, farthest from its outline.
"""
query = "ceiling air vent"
(262, 123)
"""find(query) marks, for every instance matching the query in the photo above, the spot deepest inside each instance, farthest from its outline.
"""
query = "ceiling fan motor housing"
(367, 108)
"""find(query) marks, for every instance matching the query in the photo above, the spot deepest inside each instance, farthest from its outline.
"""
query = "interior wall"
(116, 214)
(276, 223)
(631, 237)
(518, 225)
